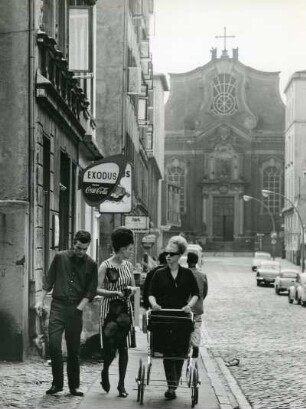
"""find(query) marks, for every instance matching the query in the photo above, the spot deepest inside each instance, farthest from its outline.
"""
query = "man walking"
(73, 276)
(198, 310)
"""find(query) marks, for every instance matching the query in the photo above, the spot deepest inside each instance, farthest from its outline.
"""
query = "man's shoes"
(195, 352)
(54, 389)
(170, 394)
(76, 392)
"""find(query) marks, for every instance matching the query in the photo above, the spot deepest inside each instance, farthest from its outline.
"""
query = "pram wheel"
(138, 379)
(189, 372)
(149, 373)
(195, 386)
(141, 382)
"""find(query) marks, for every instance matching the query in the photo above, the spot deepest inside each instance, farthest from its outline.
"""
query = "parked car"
(267, 271)
(285, 279)
(258, 257)
(297, 291)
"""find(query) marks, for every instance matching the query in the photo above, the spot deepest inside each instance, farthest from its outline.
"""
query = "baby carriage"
(168, 333)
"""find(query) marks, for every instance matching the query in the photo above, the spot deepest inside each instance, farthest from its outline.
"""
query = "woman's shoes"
(105, 381)
(122, 392)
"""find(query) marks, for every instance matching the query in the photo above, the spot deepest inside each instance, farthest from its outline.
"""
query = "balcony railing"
(54, 68)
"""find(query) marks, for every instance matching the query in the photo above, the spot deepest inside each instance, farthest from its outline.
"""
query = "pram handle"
(171, 310)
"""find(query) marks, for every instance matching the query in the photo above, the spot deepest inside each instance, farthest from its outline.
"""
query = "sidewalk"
(210, 396)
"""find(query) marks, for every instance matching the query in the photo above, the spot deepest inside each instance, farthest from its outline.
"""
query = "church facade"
(224, 139)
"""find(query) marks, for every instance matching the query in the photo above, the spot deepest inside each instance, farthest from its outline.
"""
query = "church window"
(177, 176)
(272, 181)
(224, 91)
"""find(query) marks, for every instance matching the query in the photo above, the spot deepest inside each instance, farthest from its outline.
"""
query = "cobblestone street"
(23, 385)
(261, 329)
(242, 321)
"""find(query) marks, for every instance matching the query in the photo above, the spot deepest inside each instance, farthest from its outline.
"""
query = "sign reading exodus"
(101, 178)
(120, 200)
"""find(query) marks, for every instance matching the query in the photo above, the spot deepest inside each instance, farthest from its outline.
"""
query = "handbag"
(119, 314)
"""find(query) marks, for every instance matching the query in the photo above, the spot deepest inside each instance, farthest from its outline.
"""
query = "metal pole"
(272, 220)
(300, 221)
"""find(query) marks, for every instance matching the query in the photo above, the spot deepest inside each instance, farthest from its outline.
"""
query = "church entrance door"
(223, 218)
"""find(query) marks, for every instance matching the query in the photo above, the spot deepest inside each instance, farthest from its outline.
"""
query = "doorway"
(46, 200)
(223, 218)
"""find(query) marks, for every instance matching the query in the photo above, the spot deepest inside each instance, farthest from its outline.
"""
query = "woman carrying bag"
(116, 284)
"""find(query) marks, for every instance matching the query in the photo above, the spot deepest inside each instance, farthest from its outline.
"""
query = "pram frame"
(144, 374)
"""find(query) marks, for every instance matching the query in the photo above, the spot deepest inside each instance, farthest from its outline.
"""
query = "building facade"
(125, 107)
(224, 133)
(48, 114)
(295, 165)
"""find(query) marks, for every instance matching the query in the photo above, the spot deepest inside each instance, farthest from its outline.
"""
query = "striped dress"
(124, 279)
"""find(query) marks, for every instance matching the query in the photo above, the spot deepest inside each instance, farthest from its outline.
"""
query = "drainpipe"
(31, 148)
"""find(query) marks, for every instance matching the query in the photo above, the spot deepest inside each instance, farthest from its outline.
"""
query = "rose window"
(224, 95)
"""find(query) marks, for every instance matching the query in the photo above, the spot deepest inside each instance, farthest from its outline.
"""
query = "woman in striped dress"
(116, 281)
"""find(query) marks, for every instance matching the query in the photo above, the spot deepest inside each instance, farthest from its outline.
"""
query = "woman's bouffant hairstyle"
(121, 237)
(181, 243)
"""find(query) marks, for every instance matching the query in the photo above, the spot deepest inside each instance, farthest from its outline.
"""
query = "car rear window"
(269, 266)
(289, 274)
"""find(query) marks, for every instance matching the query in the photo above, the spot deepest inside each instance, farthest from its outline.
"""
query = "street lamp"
(246, 198)
(266, 193)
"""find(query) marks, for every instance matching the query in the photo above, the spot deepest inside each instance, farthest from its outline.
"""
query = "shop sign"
(101, 179)
(120, 200)
(137, 223)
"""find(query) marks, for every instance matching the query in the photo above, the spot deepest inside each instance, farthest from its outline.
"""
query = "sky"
(270, 34)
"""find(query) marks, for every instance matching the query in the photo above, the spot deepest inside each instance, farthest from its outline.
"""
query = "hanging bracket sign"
(101, 178)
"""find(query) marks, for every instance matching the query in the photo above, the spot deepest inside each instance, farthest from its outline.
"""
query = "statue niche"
(224, 163)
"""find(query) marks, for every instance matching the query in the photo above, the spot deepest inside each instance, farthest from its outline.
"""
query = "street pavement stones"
(211, 392)
(23, 385)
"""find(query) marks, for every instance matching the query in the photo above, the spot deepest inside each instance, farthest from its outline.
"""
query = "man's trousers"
(65, 317)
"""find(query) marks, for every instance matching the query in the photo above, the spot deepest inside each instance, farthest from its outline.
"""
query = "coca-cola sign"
(101, 178)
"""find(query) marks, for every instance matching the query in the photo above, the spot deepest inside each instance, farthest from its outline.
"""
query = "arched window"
(176, 175)
(224, 95)
(271, 180)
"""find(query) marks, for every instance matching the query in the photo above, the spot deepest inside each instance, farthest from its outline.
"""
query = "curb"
(225, 398)
(233, 385)
(226, 388)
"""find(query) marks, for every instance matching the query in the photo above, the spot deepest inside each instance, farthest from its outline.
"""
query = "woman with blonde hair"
(173, 287)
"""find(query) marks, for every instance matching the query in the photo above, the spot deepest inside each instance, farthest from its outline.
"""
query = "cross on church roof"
(224, 38)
